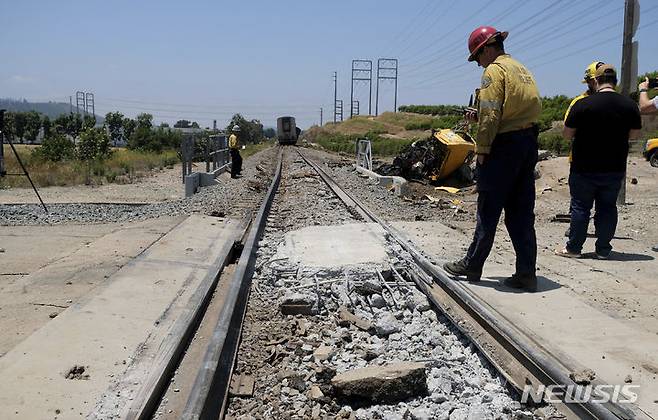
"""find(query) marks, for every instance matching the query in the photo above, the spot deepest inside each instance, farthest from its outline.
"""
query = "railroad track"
(211, 356)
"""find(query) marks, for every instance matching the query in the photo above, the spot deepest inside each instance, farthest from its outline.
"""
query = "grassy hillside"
(51, 109)
(389, 132)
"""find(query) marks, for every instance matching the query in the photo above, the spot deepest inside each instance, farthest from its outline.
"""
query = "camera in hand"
(653, 83)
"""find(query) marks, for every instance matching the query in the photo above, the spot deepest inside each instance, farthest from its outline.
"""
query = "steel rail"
(209, 393)
(533, 358)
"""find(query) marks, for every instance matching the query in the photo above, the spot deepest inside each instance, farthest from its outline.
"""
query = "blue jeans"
(599, 190)
(506, 181)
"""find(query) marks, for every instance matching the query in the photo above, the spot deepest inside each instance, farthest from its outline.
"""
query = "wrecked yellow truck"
(651, 152)
(434, 158)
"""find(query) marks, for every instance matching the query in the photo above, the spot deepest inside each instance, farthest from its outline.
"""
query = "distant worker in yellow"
(506, 146)
(234, 150)
(589, 78)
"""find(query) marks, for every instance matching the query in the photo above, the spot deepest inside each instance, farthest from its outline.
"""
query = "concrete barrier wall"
(399, 184)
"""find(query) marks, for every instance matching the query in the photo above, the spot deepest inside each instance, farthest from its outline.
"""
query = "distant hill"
(51, 109)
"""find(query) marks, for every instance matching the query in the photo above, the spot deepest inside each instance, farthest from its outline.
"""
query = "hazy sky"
(205, 60)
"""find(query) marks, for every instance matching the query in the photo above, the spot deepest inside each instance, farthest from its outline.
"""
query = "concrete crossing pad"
(120, 325)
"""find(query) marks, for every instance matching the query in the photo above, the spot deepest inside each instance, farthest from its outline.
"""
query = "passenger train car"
(286, 130)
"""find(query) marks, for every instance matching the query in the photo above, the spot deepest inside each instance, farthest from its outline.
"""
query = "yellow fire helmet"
(591, 70)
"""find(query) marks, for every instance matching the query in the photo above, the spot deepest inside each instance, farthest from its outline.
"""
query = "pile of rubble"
(362, 343)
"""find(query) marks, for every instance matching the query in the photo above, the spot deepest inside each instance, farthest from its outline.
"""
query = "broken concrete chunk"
(377, 301)
(298, 304)
(323, 353)
(347, 318)
(583, 377)
(387, 325)
(418, 303)
(315, 393)
(382, 384)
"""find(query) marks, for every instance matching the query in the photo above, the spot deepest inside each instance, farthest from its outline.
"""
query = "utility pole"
(361, 71)
(320, 116)
(387, 69)
(628, 64)
(70, 104)
(335, 94)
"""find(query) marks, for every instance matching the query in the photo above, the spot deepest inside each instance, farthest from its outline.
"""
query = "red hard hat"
(480, 37)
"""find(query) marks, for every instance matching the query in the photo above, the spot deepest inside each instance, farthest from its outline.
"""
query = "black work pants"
(236, 162)
(506, 181)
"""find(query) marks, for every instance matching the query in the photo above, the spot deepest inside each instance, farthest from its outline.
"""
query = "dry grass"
(124, 166)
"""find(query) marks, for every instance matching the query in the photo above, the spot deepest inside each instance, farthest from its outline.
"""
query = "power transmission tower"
(335, 94)
(90, 107)
(628, 64)
(355, 108)
(339, 110)
(80, 102)
(361, 71)
(387, 69)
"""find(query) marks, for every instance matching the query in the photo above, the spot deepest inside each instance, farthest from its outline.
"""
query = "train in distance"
(286, 130)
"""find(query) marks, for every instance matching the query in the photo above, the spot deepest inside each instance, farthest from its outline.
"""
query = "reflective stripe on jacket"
(233, 142)
(508, 101)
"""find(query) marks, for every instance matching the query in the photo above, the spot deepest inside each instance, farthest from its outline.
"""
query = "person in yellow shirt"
(234, 150)
(506, 146)
(591, 85)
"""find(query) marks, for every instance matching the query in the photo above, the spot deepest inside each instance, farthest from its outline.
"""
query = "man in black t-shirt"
(600, 126)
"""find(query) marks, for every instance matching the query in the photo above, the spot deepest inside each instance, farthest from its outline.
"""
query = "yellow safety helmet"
(591, 70)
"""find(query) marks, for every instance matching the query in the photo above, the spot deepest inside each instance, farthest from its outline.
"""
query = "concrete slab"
(331, 246)
(579, 332)
(63, 265)
(107, 334)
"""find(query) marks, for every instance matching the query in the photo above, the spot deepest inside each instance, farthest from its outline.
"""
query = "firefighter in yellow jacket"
(234, 150)
(506, 146)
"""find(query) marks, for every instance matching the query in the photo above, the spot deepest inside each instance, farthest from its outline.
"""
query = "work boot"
(522, 281)
(460, 268)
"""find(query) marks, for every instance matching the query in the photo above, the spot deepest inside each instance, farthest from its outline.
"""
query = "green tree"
(32, 126)
(250, 131)
(94, 144)
(114, 121)
(47, 126)
(61, 123)
(88, 121)
(75, 125)
(195, 124)
(55, 148)
(19, 125)
(10, 125)
(129, 126)
(269, 133)
(145, 120)
(182, 124)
